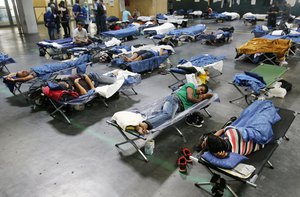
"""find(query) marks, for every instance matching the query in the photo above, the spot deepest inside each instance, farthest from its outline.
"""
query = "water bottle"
(149, 147)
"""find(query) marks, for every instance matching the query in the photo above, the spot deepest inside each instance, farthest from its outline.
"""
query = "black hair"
(215, 144)
(80, 23)
(206, 88)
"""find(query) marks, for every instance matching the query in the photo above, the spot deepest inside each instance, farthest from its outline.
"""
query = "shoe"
(186, 153)
(182, 162)
(195, 122)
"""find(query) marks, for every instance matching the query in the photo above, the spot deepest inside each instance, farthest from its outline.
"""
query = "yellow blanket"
(261, 45)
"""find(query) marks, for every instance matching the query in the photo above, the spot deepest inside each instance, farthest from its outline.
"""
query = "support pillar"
(27, 16)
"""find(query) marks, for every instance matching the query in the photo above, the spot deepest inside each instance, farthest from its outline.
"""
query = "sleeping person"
(21, 76)
(187, 96)
(80, 83)
(249, 133)
(149, 52)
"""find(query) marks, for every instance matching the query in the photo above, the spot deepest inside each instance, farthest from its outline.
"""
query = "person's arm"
(220, 132)
(89, 82)
(221, 154)
(27, 78)
(79, 88)
(162, 52)
(191, 98)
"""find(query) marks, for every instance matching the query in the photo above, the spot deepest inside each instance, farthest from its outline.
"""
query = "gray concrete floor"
(41, 157)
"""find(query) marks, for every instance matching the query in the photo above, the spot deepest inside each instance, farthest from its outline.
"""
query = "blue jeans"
(51, 32)
(167, 112)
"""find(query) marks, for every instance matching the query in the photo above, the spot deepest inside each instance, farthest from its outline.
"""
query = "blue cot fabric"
(193, 30)
(60, 41)
(129, 31)
(147, 64)
(117, 49)
(248, 81)
(255, 122)
(161, 16)
(5, 59)
(256, 76)
(232, 160)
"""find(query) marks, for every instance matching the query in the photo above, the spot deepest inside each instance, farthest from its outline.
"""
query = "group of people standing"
(57, 16)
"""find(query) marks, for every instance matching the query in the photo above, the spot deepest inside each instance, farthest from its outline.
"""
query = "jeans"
(167, 112)
(51, 32)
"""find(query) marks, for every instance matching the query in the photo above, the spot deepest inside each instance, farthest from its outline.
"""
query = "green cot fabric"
(182, 94)
(270, 73)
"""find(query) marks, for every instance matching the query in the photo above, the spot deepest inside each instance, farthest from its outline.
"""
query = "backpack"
(286, 85)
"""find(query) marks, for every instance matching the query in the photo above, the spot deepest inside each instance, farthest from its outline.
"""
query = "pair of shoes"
(184, 159)
(195, 120)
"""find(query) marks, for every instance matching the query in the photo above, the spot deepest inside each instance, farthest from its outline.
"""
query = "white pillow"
(127, 118)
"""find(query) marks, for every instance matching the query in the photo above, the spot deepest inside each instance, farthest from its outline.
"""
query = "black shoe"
(197, 122)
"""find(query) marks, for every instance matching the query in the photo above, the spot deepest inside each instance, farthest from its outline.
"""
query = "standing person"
(285, 12)
(98, 11)
(64, 18)
(86, 15)
(49, 21)
(126, 16)
(103, 18)
(54, 8)
(136, 13)
(76, 11)
(272, 14)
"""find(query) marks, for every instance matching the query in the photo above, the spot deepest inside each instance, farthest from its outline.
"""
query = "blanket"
(255, 122)
(248, 81)
(261, 45)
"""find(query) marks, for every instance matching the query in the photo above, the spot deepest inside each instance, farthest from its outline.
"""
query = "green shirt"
(182, 94)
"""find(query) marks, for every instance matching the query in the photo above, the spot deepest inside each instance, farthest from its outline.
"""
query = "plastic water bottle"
(149, 147)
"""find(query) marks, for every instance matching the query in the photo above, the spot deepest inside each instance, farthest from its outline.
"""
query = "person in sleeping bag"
(184, 98)
(227, 140)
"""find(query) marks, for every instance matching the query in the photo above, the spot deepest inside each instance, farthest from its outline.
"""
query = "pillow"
(127, 118)
(232, 160)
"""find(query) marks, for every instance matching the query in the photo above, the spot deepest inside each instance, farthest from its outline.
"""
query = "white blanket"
(108, 90)
(161, 29)
(257, 16)
(233, 15)
(113, 42)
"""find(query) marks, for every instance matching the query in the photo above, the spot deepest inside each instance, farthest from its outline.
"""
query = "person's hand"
(221, 154)
(76, 80)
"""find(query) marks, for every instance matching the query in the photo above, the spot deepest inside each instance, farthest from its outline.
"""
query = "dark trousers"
(66, 28)
(272, 21)
(98, 24)
(103, 23)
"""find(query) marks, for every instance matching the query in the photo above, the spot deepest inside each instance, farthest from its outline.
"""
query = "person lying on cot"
(187, 96)
(227, 140)
(81, 83)
(21, 76)
(145, 54)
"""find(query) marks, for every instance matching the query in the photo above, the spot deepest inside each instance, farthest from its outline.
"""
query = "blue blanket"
(248, 81)
(202, 60)
(255, 122)
(46, 70)
(294, 37)
(129, 31)
(193, 30)
(140, 66)
(258, 31)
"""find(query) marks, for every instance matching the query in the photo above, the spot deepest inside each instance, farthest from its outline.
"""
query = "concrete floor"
(41, 157)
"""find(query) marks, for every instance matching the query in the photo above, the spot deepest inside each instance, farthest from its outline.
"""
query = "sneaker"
(195, 122)
(182, 162)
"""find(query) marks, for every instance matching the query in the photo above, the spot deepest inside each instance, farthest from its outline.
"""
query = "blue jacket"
(49, 19)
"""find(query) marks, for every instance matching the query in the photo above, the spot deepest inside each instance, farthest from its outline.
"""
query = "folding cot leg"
(131, 141)
(58, 109)
(134, 91)
(199, 184)
(180, 133)
(207, 112)
(270, 164)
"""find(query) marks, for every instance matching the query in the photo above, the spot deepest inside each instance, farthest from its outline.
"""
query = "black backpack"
(286, 85)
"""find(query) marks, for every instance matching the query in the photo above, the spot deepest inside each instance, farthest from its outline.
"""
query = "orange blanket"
(261, 45)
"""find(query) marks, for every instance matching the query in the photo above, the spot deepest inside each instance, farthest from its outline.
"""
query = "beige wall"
(40, 3)
(148, 7)
(114, 10)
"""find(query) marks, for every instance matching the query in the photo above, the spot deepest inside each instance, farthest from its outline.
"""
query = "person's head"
(202, 89)
(80, 25)
(76, 1)
(274, 4)
(95, 1)
(63, 85)
(101, 1)
(214, 144)
(49, 9)
(22, 73)
(61, 4)
(85, 4)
